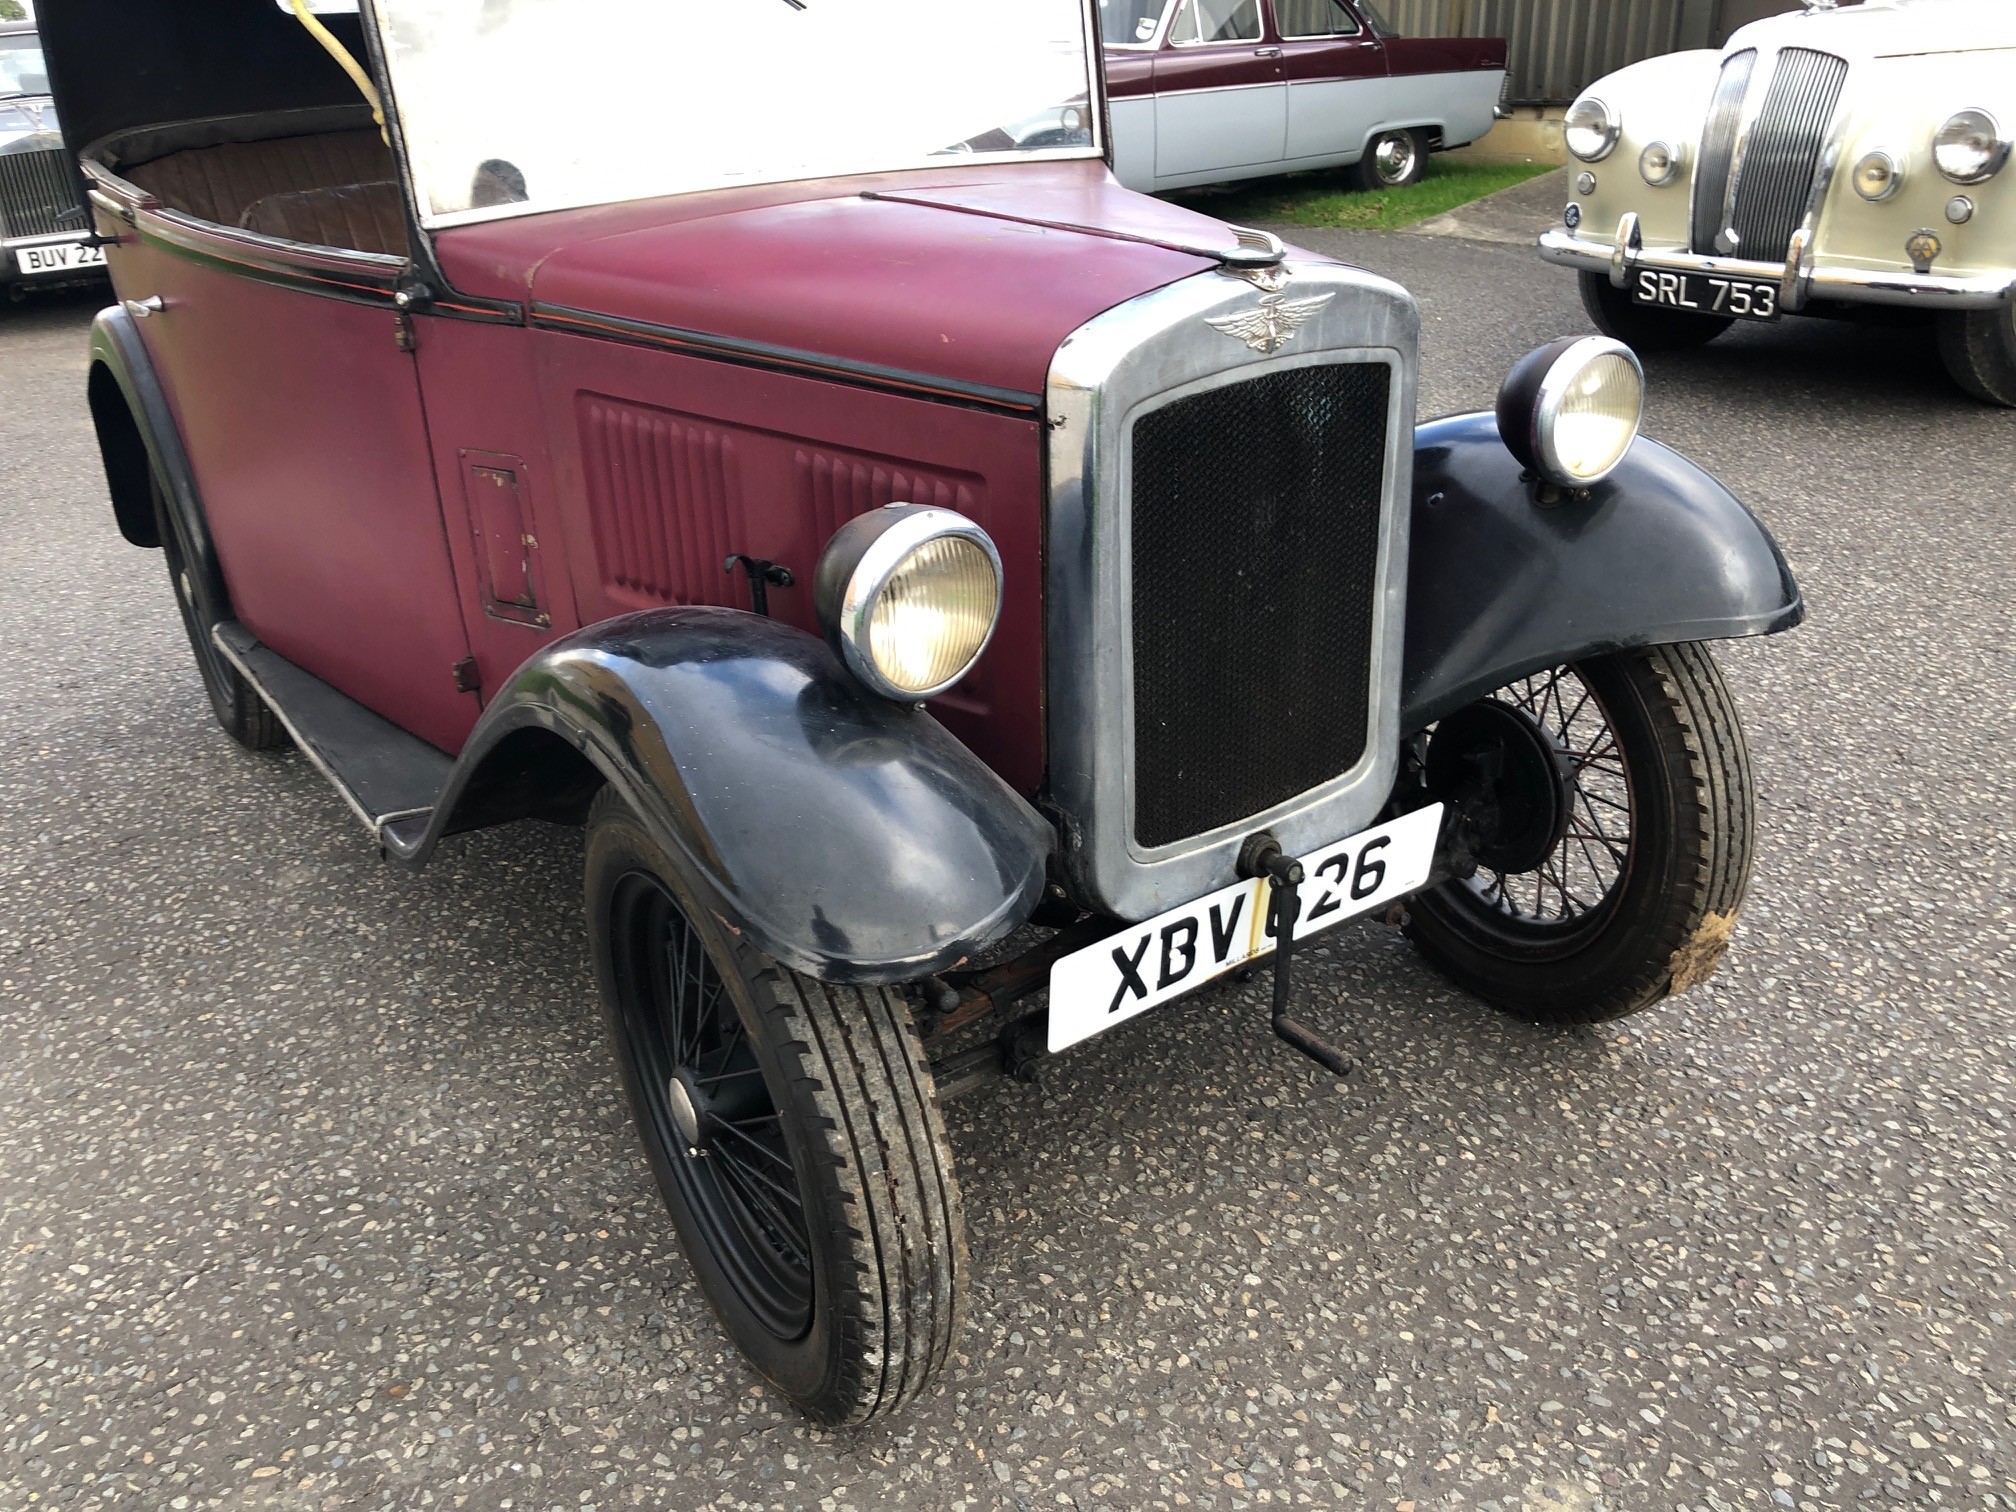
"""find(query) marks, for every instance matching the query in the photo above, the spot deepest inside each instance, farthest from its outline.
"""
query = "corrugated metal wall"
(1560, 46)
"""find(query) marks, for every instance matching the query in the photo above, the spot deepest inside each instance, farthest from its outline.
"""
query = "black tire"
(245, 716)
(1392, 160)
(1675, 879)
(1642, 328)
(844, 1292)
(1979, 350)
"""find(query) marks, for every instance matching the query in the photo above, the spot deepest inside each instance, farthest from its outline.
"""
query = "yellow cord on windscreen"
(341, 54)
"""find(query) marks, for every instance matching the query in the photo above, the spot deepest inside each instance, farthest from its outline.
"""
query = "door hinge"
(467, 680)
(402, 331)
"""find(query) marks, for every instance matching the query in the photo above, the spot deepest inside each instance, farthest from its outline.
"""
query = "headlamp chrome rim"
(1554, 387)
(1610, 132)
(899, 531)
(1998, 154)
(1533, 398)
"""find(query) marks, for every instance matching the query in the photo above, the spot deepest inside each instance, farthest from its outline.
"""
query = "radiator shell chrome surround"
(1709, 222)
(1114, 369)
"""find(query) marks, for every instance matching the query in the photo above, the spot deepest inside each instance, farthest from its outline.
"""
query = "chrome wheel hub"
(685, 1112)
(1394, 158)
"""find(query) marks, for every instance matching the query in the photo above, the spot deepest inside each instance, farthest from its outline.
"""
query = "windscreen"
(517, 106)
(22, 71)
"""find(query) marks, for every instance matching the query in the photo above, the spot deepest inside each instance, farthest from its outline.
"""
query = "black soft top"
(115, 65)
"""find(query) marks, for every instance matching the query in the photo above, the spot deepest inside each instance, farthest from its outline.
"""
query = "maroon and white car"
(1208, 90)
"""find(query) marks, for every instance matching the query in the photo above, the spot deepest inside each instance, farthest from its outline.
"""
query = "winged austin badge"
(1272, 324)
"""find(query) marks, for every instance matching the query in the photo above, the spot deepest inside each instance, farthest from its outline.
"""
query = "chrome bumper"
(1799, 281)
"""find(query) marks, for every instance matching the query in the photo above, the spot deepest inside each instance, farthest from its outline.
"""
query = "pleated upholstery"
(362, 217)
(223, 182)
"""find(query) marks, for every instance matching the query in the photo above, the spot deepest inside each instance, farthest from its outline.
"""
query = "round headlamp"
(1877, 176)
(1571, 410)
(1592, 129)
(908, 597)
(1659, 164)
(1970, 148)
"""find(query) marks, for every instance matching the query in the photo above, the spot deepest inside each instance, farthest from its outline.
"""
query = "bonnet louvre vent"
(662, 491)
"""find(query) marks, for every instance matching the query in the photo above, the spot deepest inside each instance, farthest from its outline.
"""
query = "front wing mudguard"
(848, 837)
(1501, 585)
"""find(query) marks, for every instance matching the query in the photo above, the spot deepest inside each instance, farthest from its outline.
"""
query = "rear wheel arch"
(128, 464)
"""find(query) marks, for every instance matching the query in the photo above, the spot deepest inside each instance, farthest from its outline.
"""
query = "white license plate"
(1145, 965)
(57, 257)
(1707, 294)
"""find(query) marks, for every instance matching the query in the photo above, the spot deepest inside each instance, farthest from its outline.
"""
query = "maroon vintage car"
(1208, 90)
(931, 572)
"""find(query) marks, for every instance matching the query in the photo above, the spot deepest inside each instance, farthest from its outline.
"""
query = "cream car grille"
(38, 194)
(1759, 157)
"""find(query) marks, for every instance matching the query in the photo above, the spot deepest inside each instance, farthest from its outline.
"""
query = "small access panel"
(506, 549)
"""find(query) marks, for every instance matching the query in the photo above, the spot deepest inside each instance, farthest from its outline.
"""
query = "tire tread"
(890, 1159)
(1700, 735)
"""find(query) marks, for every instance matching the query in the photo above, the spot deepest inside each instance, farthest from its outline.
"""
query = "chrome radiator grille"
(38, 194)
(1756, 182)
(1256, 526)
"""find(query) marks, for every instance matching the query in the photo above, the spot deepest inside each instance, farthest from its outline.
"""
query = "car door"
(291, 374)
(1336, 70)
(1220, 100)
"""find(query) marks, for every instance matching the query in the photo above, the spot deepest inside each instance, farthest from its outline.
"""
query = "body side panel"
(663, 463)
(1334, 93)
(302, 423)
(490, 444)
(1219, 106)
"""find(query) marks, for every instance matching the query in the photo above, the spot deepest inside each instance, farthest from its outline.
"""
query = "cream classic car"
(1822, 162)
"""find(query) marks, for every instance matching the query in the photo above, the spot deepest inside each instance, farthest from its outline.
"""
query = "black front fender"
(848, 837)
(1500, 586)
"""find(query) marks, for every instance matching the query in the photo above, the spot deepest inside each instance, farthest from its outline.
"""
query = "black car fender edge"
(848, 837)
(136, 431)
(1502, 583)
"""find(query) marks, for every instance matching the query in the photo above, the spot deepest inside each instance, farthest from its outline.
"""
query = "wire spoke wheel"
(793, 1130)
(239, 709)
(1583, 871)
(1613, 803)
(708, 1104)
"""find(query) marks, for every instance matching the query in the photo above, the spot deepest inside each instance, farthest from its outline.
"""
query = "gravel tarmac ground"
(316, 1190)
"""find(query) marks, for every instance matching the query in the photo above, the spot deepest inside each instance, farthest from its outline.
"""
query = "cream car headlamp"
(1571, 410)
(1591, 129)
(908, 597)
(1970, 148)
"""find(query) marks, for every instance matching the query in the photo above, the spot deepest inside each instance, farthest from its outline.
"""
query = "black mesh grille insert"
(1255, 528)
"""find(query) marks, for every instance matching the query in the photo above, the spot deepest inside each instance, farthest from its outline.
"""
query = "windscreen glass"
(22, 71)
(517, 106)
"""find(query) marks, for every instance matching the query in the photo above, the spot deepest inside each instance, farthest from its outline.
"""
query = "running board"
(390, 779)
